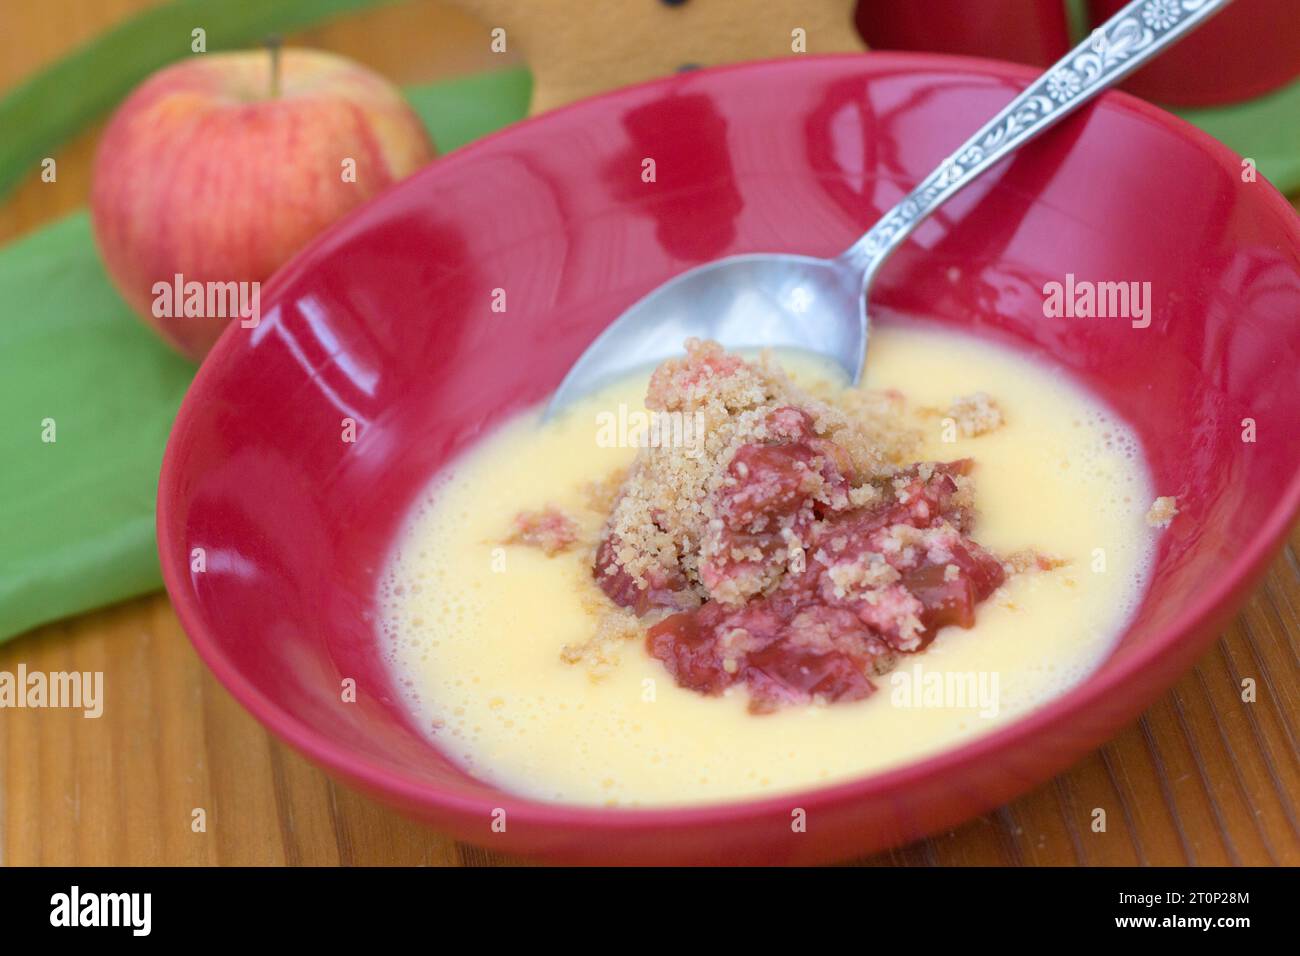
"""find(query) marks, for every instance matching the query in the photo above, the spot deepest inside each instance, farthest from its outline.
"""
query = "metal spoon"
(777, 299)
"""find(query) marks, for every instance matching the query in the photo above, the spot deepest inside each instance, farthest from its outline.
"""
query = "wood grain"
(1202, 778)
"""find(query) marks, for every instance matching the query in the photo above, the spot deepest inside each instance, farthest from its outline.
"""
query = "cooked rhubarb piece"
(880, 580)
(765, 508)
(661, 584)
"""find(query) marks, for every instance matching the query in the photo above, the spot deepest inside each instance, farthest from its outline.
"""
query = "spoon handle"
(1136, 34)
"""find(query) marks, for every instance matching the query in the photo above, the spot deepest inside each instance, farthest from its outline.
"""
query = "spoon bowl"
(747, 301)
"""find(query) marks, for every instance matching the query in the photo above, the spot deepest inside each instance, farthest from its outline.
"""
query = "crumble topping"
(601, 495)
(615, 627)
(1019, 562)
(975, 414)
(550, 529)
(799, 548)
(882, 426)
(720, 519)
(1163, 510)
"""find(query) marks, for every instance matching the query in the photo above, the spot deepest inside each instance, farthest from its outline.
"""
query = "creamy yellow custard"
(474, 627)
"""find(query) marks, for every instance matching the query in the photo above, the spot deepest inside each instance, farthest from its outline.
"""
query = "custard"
(518, 664)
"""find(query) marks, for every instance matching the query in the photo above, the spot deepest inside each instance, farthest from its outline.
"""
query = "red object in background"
(1023, 31)
(1251, 48)
(386, 320)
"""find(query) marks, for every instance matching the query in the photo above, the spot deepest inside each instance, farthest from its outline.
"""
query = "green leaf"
(461, 110)
(57, 103)
(78, 367)
(1265, 129)
(77, 514)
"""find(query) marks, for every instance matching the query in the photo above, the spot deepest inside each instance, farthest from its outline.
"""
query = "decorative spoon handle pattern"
(1139, 32)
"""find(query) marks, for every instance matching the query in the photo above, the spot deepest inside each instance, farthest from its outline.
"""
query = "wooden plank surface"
(1202, 778)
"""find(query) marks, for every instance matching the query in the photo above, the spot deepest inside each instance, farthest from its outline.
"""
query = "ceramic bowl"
(386, 321)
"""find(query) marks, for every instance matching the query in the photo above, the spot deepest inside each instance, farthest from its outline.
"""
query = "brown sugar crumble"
(662, 542)
(601, 495)
(1163, 511)
(615, 627)
(800, 551)
(1020, 562)
(975, 414)
(550, 530)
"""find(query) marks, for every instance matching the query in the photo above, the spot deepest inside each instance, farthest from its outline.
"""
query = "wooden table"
(1201, 778)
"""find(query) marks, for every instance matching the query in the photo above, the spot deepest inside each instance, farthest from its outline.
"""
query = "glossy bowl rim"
(1208, 605)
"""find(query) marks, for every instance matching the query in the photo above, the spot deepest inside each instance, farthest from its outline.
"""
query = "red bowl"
(386, 320)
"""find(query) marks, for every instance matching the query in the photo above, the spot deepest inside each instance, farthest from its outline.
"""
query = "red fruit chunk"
(880, 580)
(775, 491)
(665, 588)
(687, 646)
(952, 601)
(779, 674)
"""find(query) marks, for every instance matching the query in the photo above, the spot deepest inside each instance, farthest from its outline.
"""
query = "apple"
(215, 170)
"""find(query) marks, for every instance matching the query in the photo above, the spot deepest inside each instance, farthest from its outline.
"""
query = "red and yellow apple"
(217, 169)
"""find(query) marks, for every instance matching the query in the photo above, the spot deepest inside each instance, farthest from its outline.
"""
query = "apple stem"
(273, 45)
